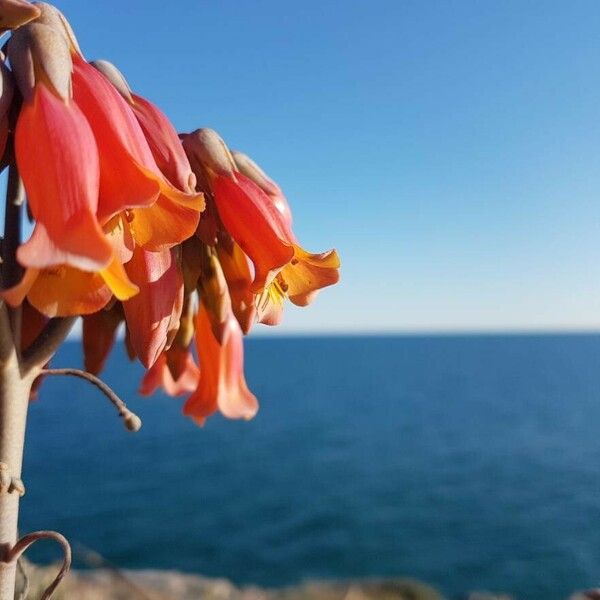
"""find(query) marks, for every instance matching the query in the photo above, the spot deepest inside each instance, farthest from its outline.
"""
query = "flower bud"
(52, 17)
(115, 77)
(39, 54)
(208, 154)
(132, 421)
(251, 170)
(14, 13)
(215, 293)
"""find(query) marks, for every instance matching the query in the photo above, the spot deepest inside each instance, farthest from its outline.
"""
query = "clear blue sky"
(449, 150)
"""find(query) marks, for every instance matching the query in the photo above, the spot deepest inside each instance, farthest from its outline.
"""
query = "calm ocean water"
(467, 462)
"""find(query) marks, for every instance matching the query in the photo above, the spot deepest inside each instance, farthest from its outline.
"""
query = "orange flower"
(175, 214)
(116, 196)
(155, 311)
(256, 214)
(222, 385)
(57, 157)
(160, 376)
(93, 185)
(306, 273)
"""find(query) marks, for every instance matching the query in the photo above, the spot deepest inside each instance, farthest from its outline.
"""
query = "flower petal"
(159, 376)
(117, 280)
(269, 305)
(255, 224)
(33, 322)
(128, 174)
(238, 273)
(65, 292)
(166, 223)
(150, 313)
(222, 384)
(307, 273)
(15, 295)
(58, 160)
(165, 144)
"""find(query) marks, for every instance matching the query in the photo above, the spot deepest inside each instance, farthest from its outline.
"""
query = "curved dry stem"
(47, 342)
(27, 540)
(131, 420)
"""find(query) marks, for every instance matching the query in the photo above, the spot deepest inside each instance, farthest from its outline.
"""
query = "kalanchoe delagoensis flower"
(160, 376)
(306, 274)
(243, 208)
(169, 220)
(173, 235)
(222, 384)
(257, 216)
(98, 192)
(156, 309)
(115, 198)
(57, 156)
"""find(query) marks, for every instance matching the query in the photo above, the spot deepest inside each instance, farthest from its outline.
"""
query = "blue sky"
(449, 150)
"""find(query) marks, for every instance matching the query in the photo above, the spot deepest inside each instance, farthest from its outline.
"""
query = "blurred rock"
(106, 584)
(587, 595)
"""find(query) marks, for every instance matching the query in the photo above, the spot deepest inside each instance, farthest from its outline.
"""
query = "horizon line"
(432, 332)
(268, 332)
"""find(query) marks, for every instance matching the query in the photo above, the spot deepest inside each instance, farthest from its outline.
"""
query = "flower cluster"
(186, 242)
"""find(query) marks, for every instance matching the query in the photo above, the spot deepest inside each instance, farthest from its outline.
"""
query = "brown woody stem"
(131, 420)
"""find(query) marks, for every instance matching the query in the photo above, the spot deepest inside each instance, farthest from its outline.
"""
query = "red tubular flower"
(253, 222)
(173, 217)
(58, 160)
(152, 313)
(57, 157)
(244, 209)
(256, 214)
(222, 384)
(129, 176)
(306, 274)
(159, 376)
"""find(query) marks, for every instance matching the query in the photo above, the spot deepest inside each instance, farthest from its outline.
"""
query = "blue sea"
(469, 462)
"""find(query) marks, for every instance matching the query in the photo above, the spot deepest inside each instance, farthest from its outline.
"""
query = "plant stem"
(14, 399)
(14, 392)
